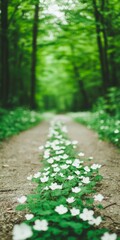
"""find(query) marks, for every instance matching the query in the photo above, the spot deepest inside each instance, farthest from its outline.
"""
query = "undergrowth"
(65, 203)
(105, 117)
(14, 121)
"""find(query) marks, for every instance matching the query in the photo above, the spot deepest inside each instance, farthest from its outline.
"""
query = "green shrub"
(14, 121)
(105, 118)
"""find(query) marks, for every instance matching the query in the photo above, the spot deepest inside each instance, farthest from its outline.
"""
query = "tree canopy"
(58, 54)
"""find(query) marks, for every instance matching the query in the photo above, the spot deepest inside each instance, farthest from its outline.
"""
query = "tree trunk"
(4, 54)
(33, 64)
(111, 31)
(102, 49)
(104, 31)
(79, 84)
(81, 88)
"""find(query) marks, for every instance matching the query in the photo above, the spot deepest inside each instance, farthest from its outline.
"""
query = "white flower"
(46, 154)
(53, 174)
(37, 175)
(61, 209)
(74, 142)
(55, 186)
(77, 161)
(74, 211)
(65, 166)
(57, 169)
(57, 158)
(70, 200)
(46, 173)
(29, 216)
(61, 174)
(108, 236)
(22, 199)
(41, 147)
(46, 169)
(87, 214)
(29, 178)
(70, 177)
(22, 232)
(116, 131)
(69, 161)
(62, 147)
(46, 188)
(81, 162)
(76, 189)
(44, 179)
(67, 142)
(95, 166)
(74, 146)
(76, 164)
(65, 156)
(41, 225)
(98, 197)
(59, 152)
(95, 221)
(81, 154)
(77, 172)
(54, 165)
(87, 169)
(90, 158)
(47, 145)
(85, 180)
(50, 160)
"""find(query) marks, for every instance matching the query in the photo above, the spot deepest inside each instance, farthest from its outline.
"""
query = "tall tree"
(102, 41)
(34, 51)
(4, 54)
(79, 82)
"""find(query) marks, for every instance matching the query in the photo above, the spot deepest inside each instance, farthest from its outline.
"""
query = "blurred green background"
(60, 55)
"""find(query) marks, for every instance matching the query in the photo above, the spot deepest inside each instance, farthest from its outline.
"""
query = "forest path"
(20, 157)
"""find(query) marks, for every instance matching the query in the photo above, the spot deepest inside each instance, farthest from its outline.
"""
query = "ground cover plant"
(108, 127)
(14, 121)
(105, 117)
(65, 203)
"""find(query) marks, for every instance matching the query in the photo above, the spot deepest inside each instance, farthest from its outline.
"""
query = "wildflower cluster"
(107, 127)
(64, 202)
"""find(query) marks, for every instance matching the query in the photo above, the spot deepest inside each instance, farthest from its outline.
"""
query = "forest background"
(58, 54)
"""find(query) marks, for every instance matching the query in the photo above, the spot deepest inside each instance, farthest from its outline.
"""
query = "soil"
(20, 157)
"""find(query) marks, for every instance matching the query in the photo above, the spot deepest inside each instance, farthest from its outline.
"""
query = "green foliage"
(14, 121)
(43, 203)
(70, 74)
(105, 118)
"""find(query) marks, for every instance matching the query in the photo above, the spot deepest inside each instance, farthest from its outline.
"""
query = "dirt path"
(20, 158)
